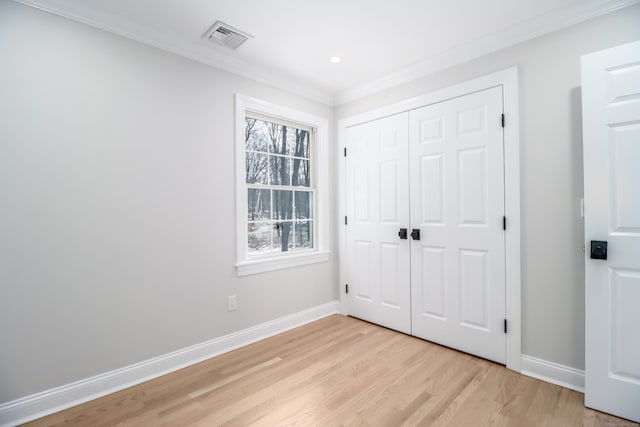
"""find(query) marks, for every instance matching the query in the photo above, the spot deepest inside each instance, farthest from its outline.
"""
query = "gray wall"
(117, 205)
(551, 171)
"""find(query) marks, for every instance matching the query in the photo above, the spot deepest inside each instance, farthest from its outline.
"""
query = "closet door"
(377, 208)
(457, 204)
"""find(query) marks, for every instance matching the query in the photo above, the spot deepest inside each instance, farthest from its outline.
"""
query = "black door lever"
(402, 233)
(415, 234)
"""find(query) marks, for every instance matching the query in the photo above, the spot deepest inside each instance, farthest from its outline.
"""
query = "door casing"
(508, 79)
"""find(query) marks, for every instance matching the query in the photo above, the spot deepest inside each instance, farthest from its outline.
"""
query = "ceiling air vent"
(226, 35)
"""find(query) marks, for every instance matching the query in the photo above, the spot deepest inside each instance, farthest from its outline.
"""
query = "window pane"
(277, 138)
(282, 139)
(259, 237)
(259, 204)
(282, 205)
(291, 140)
(304, 204)
(304, 235)
(256, 168)
(300, 146)
(283, 236)
(280, 170)
(255, 135)
(301, 173)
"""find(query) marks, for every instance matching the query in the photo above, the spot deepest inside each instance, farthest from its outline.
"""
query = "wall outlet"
(231, 303)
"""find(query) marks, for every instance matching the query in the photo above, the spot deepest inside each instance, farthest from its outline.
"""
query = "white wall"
(117, 207)
(551, 171)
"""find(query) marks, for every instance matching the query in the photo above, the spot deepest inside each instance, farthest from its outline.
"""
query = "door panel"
(432, 172)
(611, 138)
(458, 265)
(390, 264)
(625, 152)
(433, 286)
(377, 207)
(389, 185)
(473, 190)
(625, 353)
(361, 271)
(474, 289)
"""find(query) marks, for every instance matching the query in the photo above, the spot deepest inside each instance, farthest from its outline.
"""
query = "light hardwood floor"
(339, 371)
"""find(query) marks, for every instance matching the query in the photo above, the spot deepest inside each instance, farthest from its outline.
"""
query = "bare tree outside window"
(279, 187)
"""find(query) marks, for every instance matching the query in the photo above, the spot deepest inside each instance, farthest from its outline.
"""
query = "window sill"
(246, 268)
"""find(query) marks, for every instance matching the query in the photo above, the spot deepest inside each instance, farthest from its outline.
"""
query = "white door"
(457, 204)
(377, 208)
(611, 133)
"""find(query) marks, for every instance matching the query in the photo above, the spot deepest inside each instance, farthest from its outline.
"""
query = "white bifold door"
(611, 124)
(437, 172)
(378, 207)
(457, 203)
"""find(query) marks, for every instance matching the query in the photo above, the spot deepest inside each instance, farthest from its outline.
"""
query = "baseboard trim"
(554, 373)
(50, 401)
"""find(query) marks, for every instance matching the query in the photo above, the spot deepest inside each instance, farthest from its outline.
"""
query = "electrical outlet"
(231, 303)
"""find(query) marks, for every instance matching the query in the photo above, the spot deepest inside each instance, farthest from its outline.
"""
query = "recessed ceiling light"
(335, 59)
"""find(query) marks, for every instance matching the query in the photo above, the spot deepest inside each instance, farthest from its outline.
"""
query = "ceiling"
(381, 42)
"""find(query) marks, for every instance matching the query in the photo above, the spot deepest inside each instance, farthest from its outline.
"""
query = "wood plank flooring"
(339, 371)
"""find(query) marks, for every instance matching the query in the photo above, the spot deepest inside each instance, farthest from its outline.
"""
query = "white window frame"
(246, 264)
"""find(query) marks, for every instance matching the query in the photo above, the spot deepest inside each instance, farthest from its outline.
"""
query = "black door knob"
(598, 249)
(402, 233)
(415, 234)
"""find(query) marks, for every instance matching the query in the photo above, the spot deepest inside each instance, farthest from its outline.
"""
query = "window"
(282, 174)
(280, 191)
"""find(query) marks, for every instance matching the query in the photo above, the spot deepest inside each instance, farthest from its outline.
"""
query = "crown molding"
(518, 33)
(204, 53)
(196, 50)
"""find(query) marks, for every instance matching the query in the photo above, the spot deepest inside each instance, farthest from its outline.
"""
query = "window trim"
(244, 265)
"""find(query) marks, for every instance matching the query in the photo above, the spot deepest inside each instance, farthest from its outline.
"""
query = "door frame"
(508, 79)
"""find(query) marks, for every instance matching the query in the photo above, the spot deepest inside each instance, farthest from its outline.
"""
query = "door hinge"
(504, 222)
(502, 120)
(505, 326)
(345, 220)
(346, 288)
(345, 151)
